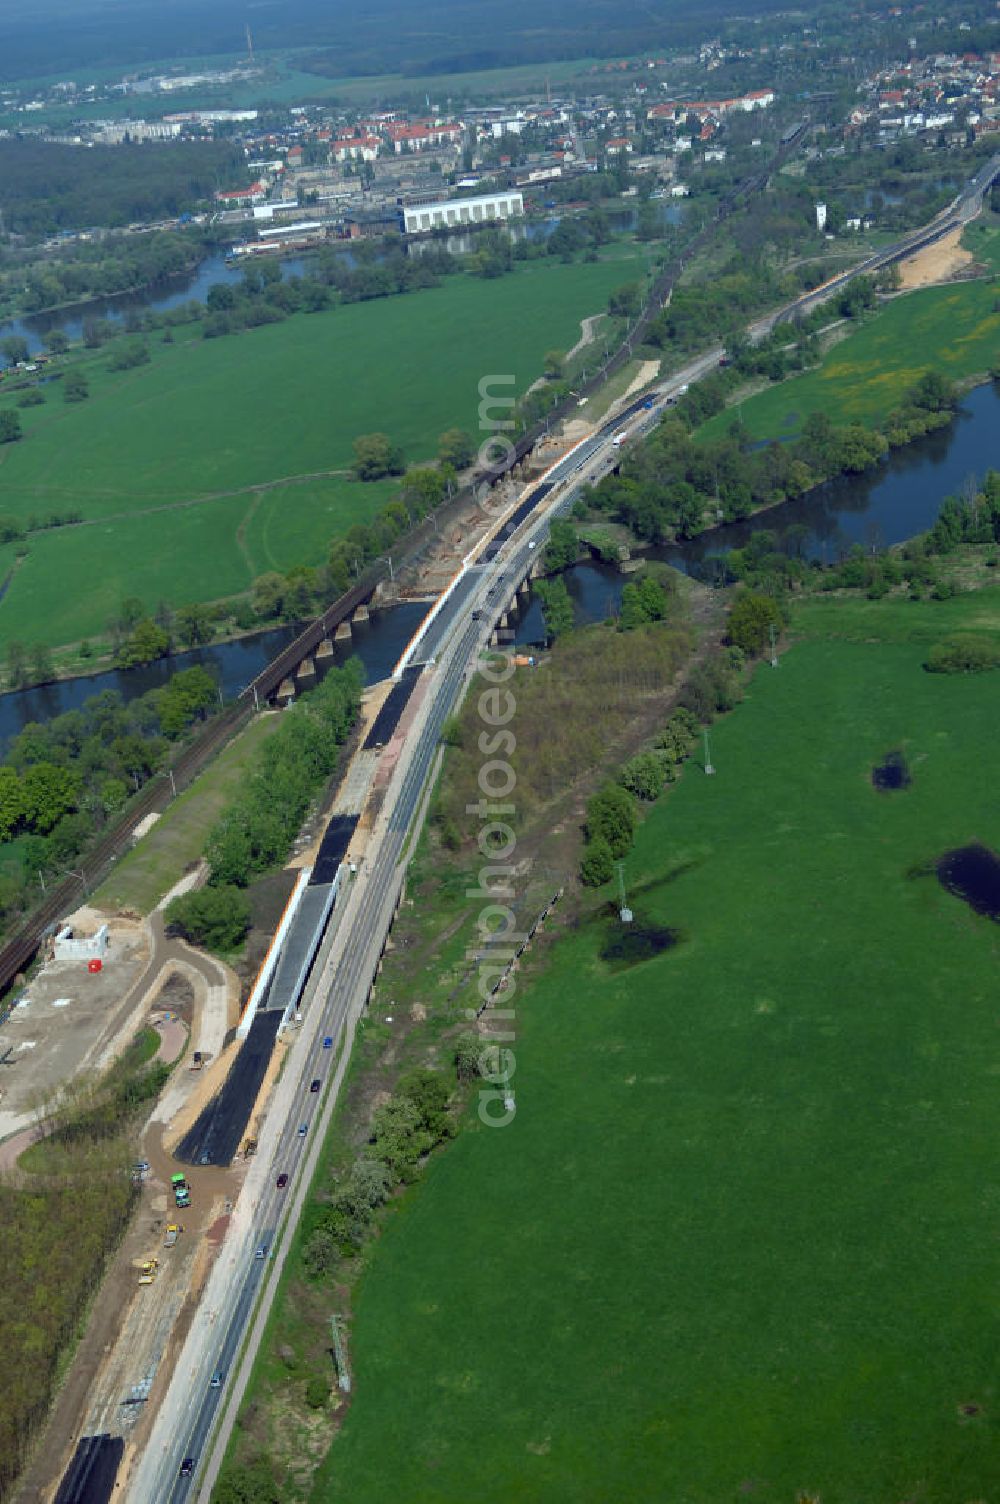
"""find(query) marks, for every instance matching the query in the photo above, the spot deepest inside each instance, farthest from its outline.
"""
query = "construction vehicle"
(147, 1271)
(182, 1195)
(170, 1236)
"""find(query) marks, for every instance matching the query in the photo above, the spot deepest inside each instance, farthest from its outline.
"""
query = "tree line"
(256, 831)
(48, 188)
(102, 268)
(675, 484)
(57, 1234)
(712, 688)
(63, 781)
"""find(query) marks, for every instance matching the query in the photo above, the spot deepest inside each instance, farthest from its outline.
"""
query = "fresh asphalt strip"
(333, 849)
(90, 1477)
(219, 1129)
(387, 720)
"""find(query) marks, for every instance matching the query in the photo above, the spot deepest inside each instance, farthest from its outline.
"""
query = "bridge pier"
(343, 632)
(361, 614)
(286, 692)
(306, 669)
(325, 648)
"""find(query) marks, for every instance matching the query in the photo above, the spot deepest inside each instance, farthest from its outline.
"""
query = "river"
(378, 643)
(890, 504)
(190, 287)
(902, 497)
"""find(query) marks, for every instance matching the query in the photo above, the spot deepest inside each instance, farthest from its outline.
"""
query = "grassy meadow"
(954, 329)
(163, 460)
(176, 842)
(741, 1237)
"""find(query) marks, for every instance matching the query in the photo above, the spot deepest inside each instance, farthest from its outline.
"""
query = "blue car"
(328, 1042)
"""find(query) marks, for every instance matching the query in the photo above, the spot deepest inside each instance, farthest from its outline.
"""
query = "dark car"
(328, 1042)
(187, 1467)
(315, 1085)
(282, 1181)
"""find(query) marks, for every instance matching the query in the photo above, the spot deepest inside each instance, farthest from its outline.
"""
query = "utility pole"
(708, 757)
(774, 654)
(339, 1356)
(624, 912)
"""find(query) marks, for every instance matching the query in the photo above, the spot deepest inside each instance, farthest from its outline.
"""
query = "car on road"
(649, 404)
(281, 1181)
(261, 1252)
(187, 1467)
(216, 1380)
(314, 1085)
(328, 1042)
(303, 1129)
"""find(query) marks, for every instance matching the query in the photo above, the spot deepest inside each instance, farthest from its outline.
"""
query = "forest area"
(57, 1229)
(45, 187)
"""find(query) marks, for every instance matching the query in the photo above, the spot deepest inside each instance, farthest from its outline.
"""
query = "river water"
(378, 643)
(890, 504)
(194, 286)
(902, 497)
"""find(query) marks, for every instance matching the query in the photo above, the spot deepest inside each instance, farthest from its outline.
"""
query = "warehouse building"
(455, 212)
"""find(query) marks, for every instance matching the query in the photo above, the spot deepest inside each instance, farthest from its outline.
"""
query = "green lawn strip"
(850, 619)
(952, 329)
(161, 858)
(596, 407)
(981, 238)
(742, 1228)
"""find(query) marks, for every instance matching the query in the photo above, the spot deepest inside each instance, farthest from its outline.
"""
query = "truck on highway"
(182, 1195)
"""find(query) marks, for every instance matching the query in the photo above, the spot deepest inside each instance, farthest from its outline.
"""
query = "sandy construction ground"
(935, 263)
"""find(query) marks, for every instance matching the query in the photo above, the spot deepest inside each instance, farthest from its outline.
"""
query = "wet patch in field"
(972, 873)
(891, 773)
(630, 944)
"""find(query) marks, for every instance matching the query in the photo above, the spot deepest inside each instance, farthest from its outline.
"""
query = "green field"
(741, 1238)
(177, 839)
(153, 458)
(954, 329)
